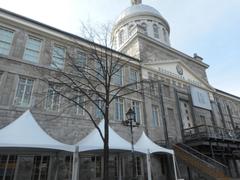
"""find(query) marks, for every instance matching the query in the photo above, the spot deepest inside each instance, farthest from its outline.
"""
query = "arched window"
(156, 31)
(130, 28)
(120, 37)
(165, 35)
(144, 26)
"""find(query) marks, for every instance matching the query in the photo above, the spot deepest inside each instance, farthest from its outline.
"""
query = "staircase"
(199, 161)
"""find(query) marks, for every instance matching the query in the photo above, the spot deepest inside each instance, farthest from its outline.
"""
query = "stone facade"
(167, 109)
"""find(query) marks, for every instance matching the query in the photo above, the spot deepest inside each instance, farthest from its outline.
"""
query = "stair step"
(206, 165)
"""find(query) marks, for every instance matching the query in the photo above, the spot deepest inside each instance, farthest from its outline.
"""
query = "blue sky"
(210, 28)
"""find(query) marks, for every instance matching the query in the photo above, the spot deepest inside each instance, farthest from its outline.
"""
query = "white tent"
(145, 143)
(150, 147)
(25, 132)
(93, 141)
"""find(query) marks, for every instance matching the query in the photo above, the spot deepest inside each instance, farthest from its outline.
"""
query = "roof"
(67, 34)
(140, 10)
(137, 10)
(94, 142)
(227, 94)
(145, 143)
(25, 132)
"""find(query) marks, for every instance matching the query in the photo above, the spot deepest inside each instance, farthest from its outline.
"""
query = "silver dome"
(137, 10)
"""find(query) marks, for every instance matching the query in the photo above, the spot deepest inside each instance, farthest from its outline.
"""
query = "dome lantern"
(135, 2)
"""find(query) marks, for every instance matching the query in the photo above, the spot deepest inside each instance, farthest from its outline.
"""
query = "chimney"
(199, 58)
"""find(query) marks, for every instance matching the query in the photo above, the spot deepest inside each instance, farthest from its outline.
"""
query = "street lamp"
(130, 119)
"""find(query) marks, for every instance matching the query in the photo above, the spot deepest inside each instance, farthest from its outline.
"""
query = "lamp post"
(130, 119)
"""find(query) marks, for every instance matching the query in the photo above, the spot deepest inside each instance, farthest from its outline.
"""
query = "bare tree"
(94, 76)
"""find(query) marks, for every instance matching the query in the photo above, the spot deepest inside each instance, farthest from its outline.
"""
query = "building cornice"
(36, 25)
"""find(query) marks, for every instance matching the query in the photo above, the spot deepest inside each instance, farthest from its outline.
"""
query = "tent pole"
(174, 166)
(119, 167)
(149, 165)
(56, 173)
(75, 164)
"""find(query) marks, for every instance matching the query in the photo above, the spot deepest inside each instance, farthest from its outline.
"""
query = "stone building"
(179, 109)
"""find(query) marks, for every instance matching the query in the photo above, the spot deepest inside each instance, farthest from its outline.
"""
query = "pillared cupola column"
(135, 2)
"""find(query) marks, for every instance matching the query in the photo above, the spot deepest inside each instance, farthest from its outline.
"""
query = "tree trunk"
(106, 146)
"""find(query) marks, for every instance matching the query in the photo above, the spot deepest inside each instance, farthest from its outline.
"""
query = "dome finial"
(135, 2)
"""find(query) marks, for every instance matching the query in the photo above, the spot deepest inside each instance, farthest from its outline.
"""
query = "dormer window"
(144, 26)
(120, 37)
(156, 31)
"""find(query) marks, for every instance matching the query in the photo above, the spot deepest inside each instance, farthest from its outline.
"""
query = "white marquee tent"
(150, 147)
(93, 141)
(25, 132)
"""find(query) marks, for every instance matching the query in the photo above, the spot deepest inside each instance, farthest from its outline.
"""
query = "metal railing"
(202, 157)
(211, 132)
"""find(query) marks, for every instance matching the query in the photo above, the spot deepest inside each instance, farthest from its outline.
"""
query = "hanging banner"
(200, 98)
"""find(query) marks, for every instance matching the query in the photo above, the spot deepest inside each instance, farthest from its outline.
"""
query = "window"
(7, 166)
(68, 167)
(53, 99)
(144, 26)
(58, 56)
(171, 115)
(40, 168)
(133, 79)
(156, 31)
(32, 49)
(119, 114)
(118, 76)
(130, 29)
(165, 34)
(120, 37)
(153, 89)
(101, 105)
(78, 110)
(136, 108)
(81, 59)
(100, 69)
(166, 90)
(155, 121)
(6, 37)
(1, 74)
(24, 92)
(138, 166)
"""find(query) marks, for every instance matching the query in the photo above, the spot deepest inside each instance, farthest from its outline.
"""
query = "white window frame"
(130, 29)
(78, 108)
(133, 105)
(117, 75)
(33, 50)
(131, 80)
(98, 112)
(52, 99)
(144, 27)
(156, 31)
(22, 98)
(121, 37)
(155, 114)
(53, 65)
(77, 60)
(117, 109)
(4, 42)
